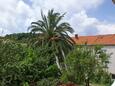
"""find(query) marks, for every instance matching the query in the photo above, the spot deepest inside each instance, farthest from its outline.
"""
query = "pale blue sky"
(87, 17)
(106, 11)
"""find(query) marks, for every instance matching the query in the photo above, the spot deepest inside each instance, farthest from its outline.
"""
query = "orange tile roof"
(93, 40)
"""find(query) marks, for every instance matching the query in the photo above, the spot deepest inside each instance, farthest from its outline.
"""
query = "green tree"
(85, 62)
(54, 33)
(11, 55)
(20, 64)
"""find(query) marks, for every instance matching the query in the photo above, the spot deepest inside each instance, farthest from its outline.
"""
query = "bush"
(84, 62)
(20, 63)
(48, 82)
(102, 77)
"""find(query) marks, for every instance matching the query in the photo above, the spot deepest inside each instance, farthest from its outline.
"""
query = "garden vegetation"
(47, 56)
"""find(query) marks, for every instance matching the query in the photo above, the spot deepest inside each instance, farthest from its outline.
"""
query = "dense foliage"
(47, 56)
(20, 64)
(22, 37)
(25, 65)
(87, 64)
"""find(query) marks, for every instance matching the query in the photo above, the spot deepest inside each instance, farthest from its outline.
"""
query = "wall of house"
(111, 50)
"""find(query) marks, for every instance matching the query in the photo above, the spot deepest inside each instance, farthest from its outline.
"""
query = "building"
(107, 41)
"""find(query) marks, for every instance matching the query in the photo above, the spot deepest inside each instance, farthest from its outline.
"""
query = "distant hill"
(20, 37)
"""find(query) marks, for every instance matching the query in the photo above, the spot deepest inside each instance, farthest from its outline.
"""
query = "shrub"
(20, 63)
(48, 82)
(84, 62)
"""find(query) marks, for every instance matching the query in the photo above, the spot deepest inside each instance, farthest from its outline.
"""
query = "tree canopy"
(54, 33)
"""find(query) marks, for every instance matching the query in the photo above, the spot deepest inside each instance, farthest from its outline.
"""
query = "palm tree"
(54, 33)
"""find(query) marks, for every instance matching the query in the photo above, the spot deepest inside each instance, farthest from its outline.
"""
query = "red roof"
(93, 40)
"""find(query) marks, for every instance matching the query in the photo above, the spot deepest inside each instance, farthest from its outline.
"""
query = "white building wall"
(111, 49)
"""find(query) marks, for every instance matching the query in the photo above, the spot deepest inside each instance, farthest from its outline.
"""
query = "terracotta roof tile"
(98, 39)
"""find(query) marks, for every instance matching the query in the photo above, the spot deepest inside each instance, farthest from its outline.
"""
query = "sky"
(86, 17)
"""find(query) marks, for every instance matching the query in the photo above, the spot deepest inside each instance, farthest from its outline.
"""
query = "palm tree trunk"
(64, 60)
(57, 62)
